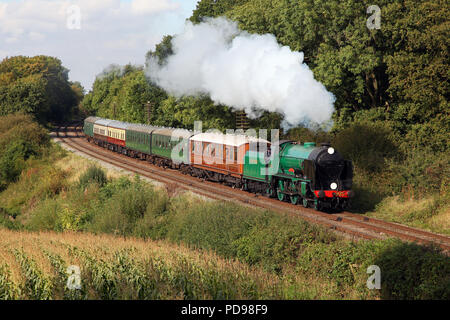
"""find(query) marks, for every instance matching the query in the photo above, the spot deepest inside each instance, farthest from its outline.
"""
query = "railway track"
(352, 225)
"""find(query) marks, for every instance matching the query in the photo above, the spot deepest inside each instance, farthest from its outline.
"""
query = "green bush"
(45, 216)
(154, 222)
(279, 242)
(408, 271)
(422, 172)
(93, 174)
(12, 161)
(212, 226)
(124, 207)
(411, 272)
(20, 139)
(368, 145)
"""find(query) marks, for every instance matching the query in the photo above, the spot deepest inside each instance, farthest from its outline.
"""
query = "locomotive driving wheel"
(294, 198)
(305, 202)
(270, 192)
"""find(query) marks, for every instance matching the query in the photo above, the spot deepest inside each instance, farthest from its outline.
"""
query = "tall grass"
(114, 268)
(8, 289)
(316, 262)
(37, 285)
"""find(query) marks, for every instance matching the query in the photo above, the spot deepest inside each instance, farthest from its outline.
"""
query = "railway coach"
(100, 131)
(116, 136)
(88, 127)
(169, 147)
(220, 157)
(138, 140)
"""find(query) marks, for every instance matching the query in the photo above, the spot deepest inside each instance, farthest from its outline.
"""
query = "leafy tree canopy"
(38, 86)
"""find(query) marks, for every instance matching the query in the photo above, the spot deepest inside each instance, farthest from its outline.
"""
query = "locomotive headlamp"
(333, 186)
(330, 150)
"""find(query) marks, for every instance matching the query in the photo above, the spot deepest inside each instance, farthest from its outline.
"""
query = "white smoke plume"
(116, 69)
(244, 71)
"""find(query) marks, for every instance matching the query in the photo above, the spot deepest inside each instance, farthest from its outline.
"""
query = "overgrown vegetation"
(305, 261)
(20, 139)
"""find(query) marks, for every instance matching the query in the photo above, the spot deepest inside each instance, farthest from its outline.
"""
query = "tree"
(162, 51)
(37, 85)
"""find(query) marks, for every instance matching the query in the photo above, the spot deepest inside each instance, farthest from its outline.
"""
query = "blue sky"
(111, 31)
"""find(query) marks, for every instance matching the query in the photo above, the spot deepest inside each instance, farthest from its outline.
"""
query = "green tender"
(254, 167)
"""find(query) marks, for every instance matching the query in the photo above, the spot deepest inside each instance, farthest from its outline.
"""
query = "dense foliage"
(20, 139)
(37, 86)
(397, 74)
(310, 261)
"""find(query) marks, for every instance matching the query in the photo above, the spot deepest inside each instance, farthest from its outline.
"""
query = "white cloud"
(112, 31)
(146, 7)
(2, 10)
(36, 36)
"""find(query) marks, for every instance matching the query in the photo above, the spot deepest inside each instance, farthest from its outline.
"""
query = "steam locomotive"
(301, 173)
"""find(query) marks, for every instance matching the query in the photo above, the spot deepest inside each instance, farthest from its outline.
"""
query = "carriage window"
(218, 150)
(235, 153)
(198, 148)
